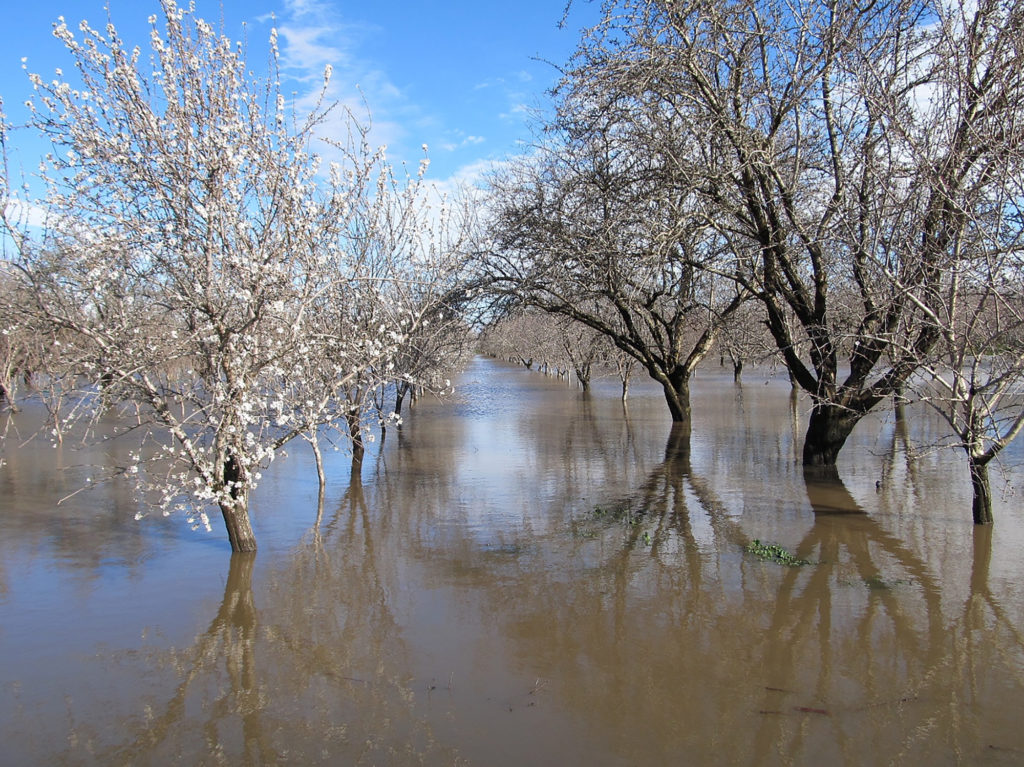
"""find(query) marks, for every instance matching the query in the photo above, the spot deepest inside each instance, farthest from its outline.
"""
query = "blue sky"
(458, 76)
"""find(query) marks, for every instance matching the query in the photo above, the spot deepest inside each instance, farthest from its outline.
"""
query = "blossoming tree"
(198, 251)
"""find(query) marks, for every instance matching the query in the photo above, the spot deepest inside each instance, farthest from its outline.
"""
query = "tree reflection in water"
(321, 679)
(669, 640)
(541, 578)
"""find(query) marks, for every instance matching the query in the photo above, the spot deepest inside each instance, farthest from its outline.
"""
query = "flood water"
(526, 575)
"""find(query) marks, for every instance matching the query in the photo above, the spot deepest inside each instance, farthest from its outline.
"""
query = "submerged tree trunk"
(314, 441)
(236, 510)
(678, 403)
(7, 395)
(677, 394)
(401, 389)
(355, 433)
(827, 431)
(236, 520)
(981, 506)
(583, 373)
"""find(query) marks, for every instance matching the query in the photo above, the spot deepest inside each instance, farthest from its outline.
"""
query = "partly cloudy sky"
(458, 76)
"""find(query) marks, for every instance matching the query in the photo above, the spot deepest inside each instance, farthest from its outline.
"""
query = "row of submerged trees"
(839, 181)
(558, 345)
(853, 170)
(202, 269)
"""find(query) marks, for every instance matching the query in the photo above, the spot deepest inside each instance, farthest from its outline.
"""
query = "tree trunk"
(583, 373)
(356, 435)
(981, 506)
(6, 394)
(897, 401)
(236, 510)
(827, 431)
(236, 520)
(401, 389)
(677, 395)
(314, 441)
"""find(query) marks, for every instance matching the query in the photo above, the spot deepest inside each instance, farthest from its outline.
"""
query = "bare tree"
(976, 97)
(745, 338)
(798, 128)
(595, 227)
(975, 378)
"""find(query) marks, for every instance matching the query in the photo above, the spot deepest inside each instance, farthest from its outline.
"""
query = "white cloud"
(312, 37)
(467, 177)
(461, 142)
(21, 214)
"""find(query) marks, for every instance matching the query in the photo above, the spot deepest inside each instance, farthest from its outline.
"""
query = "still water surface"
(525, 575)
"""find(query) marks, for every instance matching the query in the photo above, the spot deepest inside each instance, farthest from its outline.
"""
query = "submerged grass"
(772, 552)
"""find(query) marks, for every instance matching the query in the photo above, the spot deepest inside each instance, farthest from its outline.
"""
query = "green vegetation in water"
(772, 552)
(618, 514)
(601, 518)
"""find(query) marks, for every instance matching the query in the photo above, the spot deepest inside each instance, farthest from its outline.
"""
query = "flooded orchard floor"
(526, 575)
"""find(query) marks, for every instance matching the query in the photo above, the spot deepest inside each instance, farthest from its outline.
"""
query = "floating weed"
(772, 552)
(622, 514)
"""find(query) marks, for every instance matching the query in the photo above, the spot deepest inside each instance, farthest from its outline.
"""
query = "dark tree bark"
(827, 431)
(355, 433)
(401, 389)
(981, 505)
(236, 510)
(676, 387)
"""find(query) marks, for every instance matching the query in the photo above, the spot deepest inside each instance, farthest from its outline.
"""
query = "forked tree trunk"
(981, 506)
(583, 373)
(677, 395)
(829, 427)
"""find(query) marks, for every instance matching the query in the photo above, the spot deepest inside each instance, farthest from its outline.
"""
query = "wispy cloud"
(313, 36)
(461, 141)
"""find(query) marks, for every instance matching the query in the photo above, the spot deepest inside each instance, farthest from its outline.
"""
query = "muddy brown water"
(526, 575)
